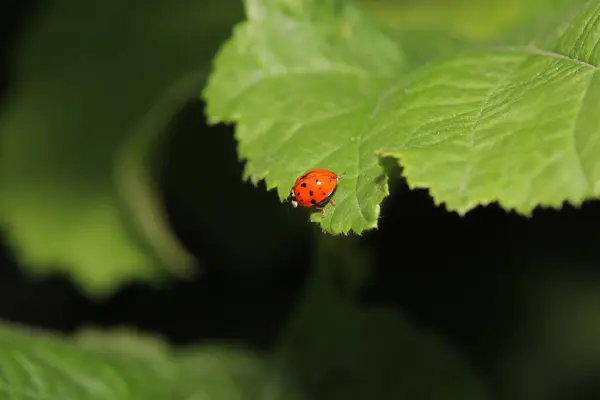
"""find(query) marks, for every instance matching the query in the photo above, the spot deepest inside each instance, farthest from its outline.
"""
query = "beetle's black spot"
(311, 193)
(297, 193)
(303, 184)
(313, 201)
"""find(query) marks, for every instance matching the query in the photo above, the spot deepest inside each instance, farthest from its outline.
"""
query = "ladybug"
(314, 189)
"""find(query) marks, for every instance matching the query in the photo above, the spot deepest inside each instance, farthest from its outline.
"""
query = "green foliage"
(478, 22)
(308, 83)
(39, 366)
(332, 348)
(468, 19)
(296, 110)
(81, 130)
(515, 125)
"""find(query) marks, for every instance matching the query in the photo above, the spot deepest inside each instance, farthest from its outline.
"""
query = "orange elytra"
(314, 189)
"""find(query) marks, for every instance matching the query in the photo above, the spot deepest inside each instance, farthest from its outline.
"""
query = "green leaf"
(475, 21)
(338, 349)
(433, 29)
(515, 125)
(122, 339)
(518, 125)
(40, 366)
(302, 109)
(481, 22)
(80, 136)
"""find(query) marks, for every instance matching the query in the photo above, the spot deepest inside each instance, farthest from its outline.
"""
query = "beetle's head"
(292, 199)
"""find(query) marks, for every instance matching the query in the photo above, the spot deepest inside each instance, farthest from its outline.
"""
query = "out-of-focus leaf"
(96, 84)
(122, 339)
(434, 29)
(39, 366)
(474, 22)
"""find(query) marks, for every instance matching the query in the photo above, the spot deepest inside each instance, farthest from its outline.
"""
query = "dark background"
(467, 278)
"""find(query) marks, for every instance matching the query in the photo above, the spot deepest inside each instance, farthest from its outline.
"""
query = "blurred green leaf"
(540, 17)
(515, 125)
(472, 20)
(39, 366)
(96, 85)
(122, 339)
(339, 350)
(475, 22)
(433, 29)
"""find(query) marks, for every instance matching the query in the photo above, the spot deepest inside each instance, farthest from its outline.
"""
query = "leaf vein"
(552, 54)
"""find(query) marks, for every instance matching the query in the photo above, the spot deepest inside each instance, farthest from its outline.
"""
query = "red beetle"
(314, 189)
